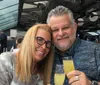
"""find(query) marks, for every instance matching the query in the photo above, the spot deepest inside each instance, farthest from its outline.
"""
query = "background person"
(18, 44)
(18, 41)
(85, 54)
(33, 63)
(3, 41)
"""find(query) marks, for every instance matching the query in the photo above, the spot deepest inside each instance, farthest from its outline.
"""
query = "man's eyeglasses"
(41, 41)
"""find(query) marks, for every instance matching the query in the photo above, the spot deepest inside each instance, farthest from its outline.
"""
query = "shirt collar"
(71, 51)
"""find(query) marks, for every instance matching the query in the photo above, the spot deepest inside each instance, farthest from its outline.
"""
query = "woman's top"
(7, 72)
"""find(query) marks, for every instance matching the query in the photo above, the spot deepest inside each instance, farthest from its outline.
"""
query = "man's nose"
(60, 32)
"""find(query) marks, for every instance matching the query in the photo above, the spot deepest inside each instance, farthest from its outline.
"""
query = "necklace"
(34, 70)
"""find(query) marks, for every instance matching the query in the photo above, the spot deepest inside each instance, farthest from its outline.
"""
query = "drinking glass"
(68, 64)
(59, 76)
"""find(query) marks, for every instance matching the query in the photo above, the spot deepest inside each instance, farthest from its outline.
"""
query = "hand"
(78, 78)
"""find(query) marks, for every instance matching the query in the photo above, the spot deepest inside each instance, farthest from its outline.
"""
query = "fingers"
(78, 78)
(73, 79)
(73, 73)
(75, 83)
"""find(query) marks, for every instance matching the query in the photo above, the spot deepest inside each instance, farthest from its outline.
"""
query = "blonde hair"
(24, 60)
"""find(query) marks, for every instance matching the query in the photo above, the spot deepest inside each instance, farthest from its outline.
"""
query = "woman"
(32, 65)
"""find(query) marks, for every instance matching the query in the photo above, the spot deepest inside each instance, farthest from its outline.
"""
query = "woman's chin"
(38, 59)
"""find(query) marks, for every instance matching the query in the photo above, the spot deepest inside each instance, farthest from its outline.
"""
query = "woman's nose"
(44, 46)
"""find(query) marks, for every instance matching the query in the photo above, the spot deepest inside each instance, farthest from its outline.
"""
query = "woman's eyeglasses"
(41, 41)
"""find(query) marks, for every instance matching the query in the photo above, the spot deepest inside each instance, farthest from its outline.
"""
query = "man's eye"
(55, 30)
(66, 28)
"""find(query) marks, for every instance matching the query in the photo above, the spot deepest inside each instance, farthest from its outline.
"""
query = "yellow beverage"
(59, 79)
(68, 66)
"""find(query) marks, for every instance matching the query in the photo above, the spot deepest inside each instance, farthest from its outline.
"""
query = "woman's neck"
(34, 68)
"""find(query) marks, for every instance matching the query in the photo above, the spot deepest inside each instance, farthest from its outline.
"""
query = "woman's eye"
(40, 40)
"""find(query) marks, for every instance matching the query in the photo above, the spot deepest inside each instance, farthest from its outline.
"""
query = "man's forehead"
(60, 25)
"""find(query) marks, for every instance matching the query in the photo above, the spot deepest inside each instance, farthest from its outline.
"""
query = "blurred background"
(17, 16)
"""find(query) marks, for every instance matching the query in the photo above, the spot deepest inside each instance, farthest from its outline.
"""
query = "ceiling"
(33, 11)
(25, 13)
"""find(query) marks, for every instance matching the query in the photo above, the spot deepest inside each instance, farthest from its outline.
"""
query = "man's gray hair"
(59, 11)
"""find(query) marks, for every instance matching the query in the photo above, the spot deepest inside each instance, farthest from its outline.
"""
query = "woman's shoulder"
(7, 57)
(6, 68)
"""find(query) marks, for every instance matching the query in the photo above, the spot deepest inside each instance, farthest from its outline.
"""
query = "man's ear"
(75, 25)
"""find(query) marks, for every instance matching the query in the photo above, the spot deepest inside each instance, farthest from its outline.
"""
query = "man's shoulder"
(89, 44)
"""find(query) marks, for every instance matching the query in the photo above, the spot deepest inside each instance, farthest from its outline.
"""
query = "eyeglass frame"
(43, 42)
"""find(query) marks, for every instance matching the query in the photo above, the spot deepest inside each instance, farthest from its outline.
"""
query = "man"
(85, 54)
(3, 41)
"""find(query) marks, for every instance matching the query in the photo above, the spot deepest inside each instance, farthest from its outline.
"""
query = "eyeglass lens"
(41, 41)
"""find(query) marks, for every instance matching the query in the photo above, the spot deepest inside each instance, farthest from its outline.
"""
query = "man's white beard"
(62, 47)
